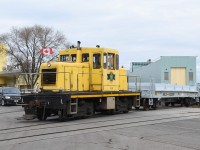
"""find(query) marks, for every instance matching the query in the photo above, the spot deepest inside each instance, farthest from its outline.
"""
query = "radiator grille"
(48, 76)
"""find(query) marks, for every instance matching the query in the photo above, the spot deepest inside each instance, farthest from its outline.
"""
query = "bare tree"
(23, 45)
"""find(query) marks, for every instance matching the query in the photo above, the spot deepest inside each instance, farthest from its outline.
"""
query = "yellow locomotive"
(83, 81)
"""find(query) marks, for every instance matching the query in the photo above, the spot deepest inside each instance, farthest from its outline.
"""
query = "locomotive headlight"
(7, 97)
(48, 64)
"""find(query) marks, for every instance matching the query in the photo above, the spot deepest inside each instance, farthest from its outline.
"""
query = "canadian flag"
(46, 51)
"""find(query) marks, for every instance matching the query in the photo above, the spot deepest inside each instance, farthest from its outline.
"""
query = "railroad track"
(10, 109)
(55, 123)
(10, 112)
(29, 134)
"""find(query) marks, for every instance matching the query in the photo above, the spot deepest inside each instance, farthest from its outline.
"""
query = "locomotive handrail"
(69, 79)
(32, 89)
(136, 82)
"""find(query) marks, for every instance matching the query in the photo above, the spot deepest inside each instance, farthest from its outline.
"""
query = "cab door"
(110, 72)
(96, 72)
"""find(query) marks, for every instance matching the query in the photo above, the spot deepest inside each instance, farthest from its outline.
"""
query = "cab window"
(64, 57)
(117, 61)
(96, 61)
(73, 57)
(105, 61)
(111, 61)
(85, 57)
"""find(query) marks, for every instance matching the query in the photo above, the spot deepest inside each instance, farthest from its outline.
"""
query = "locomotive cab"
(84, 69)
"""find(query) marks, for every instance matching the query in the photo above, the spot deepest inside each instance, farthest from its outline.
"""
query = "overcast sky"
(139, 29)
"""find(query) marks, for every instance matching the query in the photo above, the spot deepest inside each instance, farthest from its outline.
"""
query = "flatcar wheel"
(137, 108)
(181, 103)
(154, 106)
(145, 105)
(187, 103)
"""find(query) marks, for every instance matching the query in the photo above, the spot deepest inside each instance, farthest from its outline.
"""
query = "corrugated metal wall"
(149, 72)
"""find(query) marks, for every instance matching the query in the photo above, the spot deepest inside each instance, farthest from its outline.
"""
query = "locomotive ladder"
(73, 106)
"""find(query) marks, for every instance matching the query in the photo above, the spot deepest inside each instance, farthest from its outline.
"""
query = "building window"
(190, 76)
(166, 76)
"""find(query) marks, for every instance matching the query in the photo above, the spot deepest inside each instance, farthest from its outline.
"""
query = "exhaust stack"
(78, 45)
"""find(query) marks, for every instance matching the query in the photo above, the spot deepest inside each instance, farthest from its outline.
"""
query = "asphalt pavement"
(173, 128)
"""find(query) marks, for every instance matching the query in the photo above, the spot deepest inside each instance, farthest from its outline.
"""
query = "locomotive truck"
(82, 82)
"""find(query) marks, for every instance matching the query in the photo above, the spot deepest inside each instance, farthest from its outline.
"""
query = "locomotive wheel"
(61, 116)
(125, 111)
(166, 103)
(61, 119)
(40, 115)
(111, 112)
(145, 105)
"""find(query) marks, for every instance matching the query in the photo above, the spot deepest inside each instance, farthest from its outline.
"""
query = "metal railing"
(134, 83)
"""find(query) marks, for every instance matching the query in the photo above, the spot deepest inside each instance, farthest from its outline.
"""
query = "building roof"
(10, 73)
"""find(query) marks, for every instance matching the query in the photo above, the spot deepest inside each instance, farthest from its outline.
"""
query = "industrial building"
(178, 70)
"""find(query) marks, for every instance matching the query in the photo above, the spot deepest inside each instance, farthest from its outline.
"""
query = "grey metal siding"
(149, 72)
